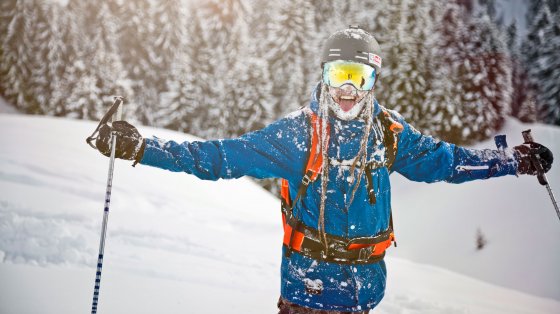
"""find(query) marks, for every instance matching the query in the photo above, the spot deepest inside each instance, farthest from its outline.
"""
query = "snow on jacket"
(280, 150)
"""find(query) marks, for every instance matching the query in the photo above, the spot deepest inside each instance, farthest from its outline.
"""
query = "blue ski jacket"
(280, 150)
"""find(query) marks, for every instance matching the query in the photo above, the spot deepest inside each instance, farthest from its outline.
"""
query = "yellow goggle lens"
(338, 73)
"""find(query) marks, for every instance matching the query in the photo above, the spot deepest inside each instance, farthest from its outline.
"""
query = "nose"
(348, 88)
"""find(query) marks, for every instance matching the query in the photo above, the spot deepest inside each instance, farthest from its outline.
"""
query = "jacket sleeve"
(423, 158)
(266, 153)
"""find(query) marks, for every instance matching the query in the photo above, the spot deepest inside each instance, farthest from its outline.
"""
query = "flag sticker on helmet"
(375, 59)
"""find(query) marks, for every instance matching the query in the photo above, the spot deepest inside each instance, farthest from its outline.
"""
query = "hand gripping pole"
(535, 160)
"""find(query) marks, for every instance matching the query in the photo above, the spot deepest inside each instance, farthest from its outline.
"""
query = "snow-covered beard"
(351, 114)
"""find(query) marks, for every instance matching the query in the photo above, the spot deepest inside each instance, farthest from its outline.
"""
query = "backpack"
(304, 239)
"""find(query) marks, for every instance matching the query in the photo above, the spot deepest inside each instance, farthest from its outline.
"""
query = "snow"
(178, 244)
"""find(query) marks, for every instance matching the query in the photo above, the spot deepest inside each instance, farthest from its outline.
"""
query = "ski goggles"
(338, 73)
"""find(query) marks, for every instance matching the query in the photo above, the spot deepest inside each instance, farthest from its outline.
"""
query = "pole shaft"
(96, 288)
(553, 200)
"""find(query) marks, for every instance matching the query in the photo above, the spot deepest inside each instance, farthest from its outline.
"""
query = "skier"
(334, 156)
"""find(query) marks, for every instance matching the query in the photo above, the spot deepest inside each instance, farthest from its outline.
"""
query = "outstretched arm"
(423, 158)
(275, 151)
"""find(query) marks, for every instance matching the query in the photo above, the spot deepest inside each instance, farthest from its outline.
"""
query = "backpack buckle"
(306, 180)
(365, 253)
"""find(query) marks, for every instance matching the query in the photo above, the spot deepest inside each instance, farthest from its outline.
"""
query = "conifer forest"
(221, 68)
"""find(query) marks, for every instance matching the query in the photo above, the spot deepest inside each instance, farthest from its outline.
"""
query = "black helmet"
(353, 44)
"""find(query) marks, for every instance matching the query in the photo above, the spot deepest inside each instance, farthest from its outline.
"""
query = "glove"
(130, 144)
(527, 152)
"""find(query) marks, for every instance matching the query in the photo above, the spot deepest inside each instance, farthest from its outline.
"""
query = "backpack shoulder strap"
(391, 129)
(312, 170)
(314, 161)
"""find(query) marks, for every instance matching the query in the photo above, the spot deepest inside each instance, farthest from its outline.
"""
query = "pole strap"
(118, 100)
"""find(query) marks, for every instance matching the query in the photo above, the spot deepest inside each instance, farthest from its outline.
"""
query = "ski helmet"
(353, 44)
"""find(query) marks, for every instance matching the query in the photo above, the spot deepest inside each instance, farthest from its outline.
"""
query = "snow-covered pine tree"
(97, 69)
(289, 55)
(325, 14)
(222, 24)
(183, 101)
(135, 35)
(536, 5)
(50, 56)
(329, 16)
(372, 16)
(467, 5)
(80, 84)
(541, 53)
(39, 79)
(387, 34)
(251, 95)
(406, 83)
(169, 34)
(522, 98)
(490, 7)
(479, 68)
(59, 56)
(443, 111)
(491, 76)
(551, 77)
(19, 17)
(7, 13)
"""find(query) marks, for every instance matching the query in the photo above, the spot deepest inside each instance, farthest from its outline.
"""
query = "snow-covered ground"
(177, 244)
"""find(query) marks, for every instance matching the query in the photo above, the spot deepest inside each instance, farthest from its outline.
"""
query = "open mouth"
(346, 102)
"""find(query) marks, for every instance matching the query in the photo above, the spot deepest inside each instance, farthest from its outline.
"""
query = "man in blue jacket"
(335, 156)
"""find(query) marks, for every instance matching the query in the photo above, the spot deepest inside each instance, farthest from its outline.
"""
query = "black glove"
(526, 153)
(130, 144)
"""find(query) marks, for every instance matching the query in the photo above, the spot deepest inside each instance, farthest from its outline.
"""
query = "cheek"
(333, 93)
(361, 96)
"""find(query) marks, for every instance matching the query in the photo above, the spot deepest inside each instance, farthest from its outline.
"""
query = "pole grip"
(535, 160)
(119, 114)
(110, 114)
(527, 136)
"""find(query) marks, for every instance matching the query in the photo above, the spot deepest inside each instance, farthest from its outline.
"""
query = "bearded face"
(347, 101)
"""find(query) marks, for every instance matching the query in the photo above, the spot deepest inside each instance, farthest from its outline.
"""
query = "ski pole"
(541, 176)
(116, 107)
